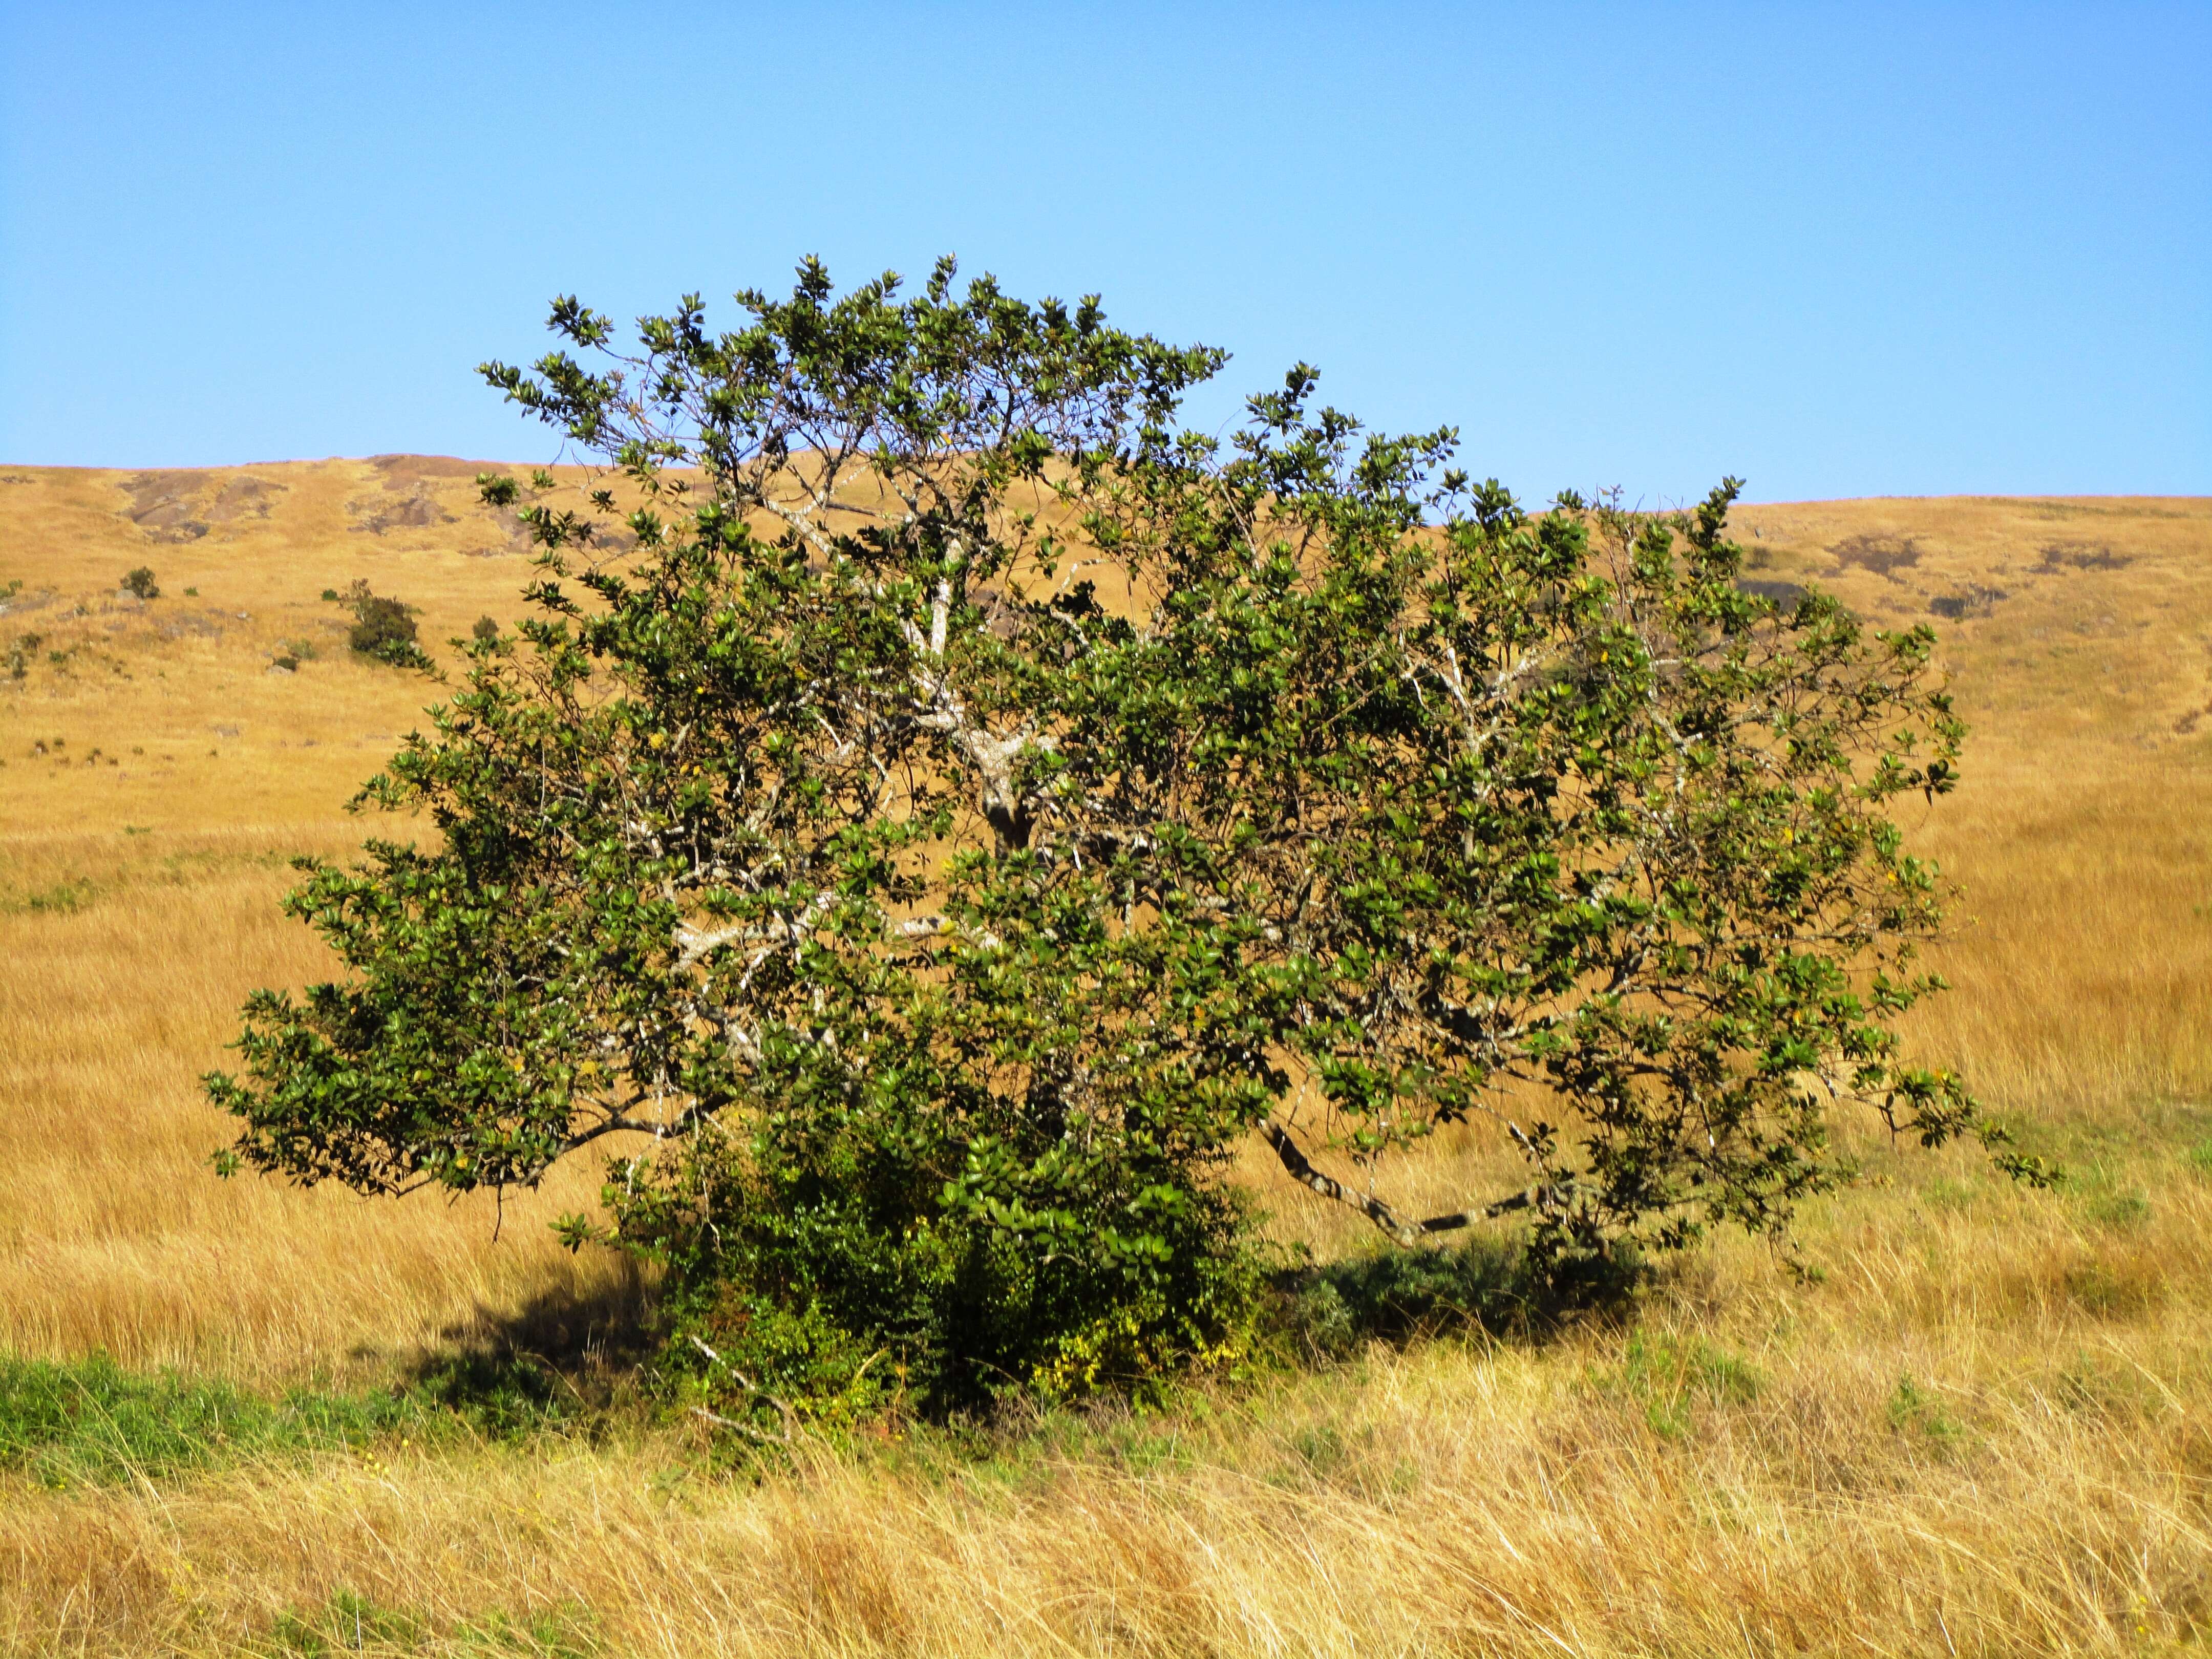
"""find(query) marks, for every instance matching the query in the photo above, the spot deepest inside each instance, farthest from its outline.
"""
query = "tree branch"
(1400, 1229)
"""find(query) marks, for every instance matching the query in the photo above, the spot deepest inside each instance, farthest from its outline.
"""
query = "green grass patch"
(92, 1422)
(63, 898)
(351, 1624)
(1918, 1412)
(1671, 1381)
(2119, 1210)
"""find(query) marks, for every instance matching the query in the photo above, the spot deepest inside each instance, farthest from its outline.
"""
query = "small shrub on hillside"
(383, 628)
(486, 630)
(141, 582)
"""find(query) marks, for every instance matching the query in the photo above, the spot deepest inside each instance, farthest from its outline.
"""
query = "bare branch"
(1401, 1230)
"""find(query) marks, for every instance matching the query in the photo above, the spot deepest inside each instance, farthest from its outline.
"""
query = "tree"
(973, 807)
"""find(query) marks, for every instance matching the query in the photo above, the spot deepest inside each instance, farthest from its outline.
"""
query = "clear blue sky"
(1840, 250)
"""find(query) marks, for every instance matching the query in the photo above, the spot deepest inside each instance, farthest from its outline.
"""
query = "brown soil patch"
(165, 505)
(415, 511)
(243, 497)
(399, 470)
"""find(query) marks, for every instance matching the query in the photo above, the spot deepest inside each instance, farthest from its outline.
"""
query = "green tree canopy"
(968, 807)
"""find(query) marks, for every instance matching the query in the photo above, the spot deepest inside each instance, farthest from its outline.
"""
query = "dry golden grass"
(141, 855)
(1981, 1427)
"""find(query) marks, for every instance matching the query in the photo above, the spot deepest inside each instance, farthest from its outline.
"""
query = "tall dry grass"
(117, 1237)
(1941, 1450)
(1968, 1417)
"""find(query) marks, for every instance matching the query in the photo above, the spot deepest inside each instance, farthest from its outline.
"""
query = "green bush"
(22, 651)
(827, 1264)
(383, 628)
(141, 582)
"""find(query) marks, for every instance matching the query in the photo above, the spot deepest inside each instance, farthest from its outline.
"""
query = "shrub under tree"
(976, 808)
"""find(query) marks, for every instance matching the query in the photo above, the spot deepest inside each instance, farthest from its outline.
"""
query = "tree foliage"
(975, 808)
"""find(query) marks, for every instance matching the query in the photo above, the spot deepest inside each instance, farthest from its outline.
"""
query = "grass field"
(1981, 1423)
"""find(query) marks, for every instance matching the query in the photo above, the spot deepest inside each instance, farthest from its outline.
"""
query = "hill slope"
(1980, 1429)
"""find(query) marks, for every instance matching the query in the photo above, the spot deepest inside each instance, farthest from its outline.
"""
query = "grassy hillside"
(1978, 1425)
